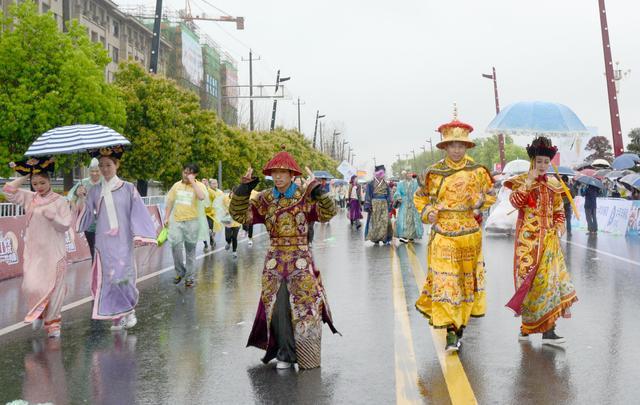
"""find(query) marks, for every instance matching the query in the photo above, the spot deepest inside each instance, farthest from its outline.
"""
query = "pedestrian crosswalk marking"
(458, 385)
(407, 391)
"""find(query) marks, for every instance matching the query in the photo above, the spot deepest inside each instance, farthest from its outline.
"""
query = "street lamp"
(275, 101)
(315, 131)
(333, 143)
(493, 77)
(342, 147)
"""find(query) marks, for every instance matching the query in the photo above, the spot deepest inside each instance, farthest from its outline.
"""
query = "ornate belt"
(289, 241)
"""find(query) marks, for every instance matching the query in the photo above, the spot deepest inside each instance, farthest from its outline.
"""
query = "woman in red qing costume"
(544, 291)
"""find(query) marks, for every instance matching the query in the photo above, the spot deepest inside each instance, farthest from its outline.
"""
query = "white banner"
(612, 214)
(192, 57)
(347, 170)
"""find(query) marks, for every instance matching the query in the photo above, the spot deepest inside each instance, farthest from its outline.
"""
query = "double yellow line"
(407, 386)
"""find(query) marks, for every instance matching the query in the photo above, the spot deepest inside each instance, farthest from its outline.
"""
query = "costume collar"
(287, 194)
(456, 165)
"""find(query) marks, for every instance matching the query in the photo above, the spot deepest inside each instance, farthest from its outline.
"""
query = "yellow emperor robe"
(455, 285)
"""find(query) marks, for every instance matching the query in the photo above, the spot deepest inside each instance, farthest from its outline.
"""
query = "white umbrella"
(517, 166)
(75, 139)
(601, 163)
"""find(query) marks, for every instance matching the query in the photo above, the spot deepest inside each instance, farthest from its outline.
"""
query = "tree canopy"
(167, 128)
(485, 153)
(634, 143)
(49, 79)
(600, 148)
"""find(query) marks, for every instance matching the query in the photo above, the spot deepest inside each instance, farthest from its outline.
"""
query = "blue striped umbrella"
(75, 139)
(539, 118)
(321, 174)
(562, 170)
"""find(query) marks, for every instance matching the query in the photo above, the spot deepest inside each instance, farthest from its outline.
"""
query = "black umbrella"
(590, 181)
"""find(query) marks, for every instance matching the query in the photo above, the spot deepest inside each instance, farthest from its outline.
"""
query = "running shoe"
(550, 338)
(131, 320)
(453, 343)
(119, 324)
(37, 324)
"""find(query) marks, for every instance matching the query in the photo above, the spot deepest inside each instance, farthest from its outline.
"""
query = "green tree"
(634, 144)
(49, 79)
(161, 122)
(167, 128)
(600, 148)
(487, 153)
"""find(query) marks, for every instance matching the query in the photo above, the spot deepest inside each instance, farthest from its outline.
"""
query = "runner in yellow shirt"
(186, 222)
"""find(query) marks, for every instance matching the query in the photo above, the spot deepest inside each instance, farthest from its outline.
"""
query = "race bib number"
(184, 197)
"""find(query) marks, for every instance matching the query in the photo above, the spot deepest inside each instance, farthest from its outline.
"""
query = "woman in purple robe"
(121, 220)
(353, 200)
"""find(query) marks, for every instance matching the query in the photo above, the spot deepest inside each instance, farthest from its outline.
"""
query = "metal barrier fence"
(153, 200)
(12, 210)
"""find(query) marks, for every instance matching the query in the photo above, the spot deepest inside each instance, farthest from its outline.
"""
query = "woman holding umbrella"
(121, 220)
(47, 219)
(544, 291)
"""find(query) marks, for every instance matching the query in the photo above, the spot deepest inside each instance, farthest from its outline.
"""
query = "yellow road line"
(407, 391)
(457, 382)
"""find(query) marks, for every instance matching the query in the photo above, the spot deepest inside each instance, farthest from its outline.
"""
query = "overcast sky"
(387, 73)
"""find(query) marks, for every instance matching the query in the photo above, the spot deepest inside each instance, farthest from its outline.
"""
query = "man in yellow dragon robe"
(453, 194)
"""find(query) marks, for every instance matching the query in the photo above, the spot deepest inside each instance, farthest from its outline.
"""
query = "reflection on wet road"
(189, 345)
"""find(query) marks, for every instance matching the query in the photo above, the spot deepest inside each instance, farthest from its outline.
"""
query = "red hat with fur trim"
(282, 160)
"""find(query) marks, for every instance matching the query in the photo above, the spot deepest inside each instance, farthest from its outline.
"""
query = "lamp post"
(493, 77)
(344, 143)
(315, 131)
(275, 101)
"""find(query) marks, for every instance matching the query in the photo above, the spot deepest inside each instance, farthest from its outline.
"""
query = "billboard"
(191, 57)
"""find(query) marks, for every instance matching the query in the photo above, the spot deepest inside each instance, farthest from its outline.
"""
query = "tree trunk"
(67, 183)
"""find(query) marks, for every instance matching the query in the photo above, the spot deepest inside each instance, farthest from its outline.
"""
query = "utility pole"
(322, 145)
(299, 104)
(495, 92)
(344, 143)
(333, 144)
(430, 141)
(352, 156)
(414, 159)
(275, 100)
(157, 20)
(315, 131)
(375, 163)
(250, 60)
(616, 129)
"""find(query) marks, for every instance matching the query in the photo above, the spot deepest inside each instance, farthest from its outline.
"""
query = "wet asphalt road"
(189, 345)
